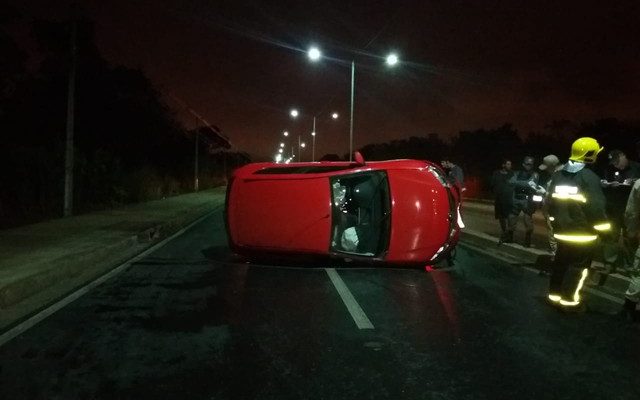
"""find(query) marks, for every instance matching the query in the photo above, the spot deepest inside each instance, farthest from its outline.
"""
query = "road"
(189, 321)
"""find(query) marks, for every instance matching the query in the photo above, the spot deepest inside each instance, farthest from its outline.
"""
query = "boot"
(527, 239)
(507, 237)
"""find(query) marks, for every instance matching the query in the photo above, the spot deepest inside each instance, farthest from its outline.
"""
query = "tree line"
(129, 145)
(481, 151)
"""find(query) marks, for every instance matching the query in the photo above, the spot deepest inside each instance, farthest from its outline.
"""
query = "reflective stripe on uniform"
(576, 295)
(565, 189)
(575, 238)
(565, 192)
(602, 227)
(566, 196)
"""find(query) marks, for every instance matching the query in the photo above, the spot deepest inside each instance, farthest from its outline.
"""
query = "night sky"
(465, 64)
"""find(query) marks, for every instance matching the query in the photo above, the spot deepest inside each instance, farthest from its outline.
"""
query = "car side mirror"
(357, 157)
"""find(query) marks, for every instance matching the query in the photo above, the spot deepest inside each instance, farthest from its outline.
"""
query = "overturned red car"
(399, 212)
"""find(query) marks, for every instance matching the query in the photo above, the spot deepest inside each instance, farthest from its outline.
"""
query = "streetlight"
(301, 145)
(391, 60)
(313, 135)
(294, 113)
(286, 134)
(314, 54)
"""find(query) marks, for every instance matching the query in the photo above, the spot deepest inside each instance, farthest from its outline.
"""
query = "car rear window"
(361, 213)
(302, 169)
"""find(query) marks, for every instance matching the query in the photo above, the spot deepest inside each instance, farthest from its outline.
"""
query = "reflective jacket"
(576, 204)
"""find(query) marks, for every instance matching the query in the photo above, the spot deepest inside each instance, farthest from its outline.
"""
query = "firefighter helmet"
(585, 150)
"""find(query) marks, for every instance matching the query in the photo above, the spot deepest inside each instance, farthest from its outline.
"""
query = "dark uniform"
(617, 187)
(524, 183)
(503, 193)
(577, 213)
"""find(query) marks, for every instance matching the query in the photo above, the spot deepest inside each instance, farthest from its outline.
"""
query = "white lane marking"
(357, 313)
(489, 253)
(40, 316)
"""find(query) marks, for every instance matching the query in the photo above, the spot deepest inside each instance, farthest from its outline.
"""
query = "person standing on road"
(503, 194)
(619, 178)
(454, 174)
(577, 213)
(525, 186)
(630, 309)
(550, 165)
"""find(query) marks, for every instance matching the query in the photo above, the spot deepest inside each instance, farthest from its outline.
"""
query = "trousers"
(570, 269)
(633, 291)
(513, 219)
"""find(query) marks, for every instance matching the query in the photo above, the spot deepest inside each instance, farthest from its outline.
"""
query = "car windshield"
(361, 211)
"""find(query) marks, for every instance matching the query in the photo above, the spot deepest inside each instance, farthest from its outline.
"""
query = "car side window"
(361, 208)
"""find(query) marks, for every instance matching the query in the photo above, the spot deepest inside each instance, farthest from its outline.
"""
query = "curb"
(515, 254)
(488, 207)
(82, 267)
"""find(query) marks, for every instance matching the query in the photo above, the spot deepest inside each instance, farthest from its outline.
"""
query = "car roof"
(255, 170)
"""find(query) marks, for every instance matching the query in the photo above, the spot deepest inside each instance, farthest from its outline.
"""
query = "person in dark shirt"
(620, 175)
(525, 186)
(503, 193)
(454, 174)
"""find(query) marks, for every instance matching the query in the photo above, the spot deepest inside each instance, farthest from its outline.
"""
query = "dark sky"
(466, 64)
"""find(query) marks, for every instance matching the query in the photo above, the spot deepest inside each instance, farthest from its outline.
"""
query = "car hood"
(282, 214)
(420, 220)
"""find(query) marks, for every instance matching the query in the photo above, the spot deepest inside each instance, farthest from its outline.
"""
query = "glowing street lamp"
(314, 54)
(280, 150)
(281, 144)
(392, 59)
(285, 133)
(294, 113)
(313, 135)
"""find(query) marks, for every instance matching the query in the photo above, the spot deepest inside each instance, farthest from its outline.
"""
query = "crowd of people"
(584, 213)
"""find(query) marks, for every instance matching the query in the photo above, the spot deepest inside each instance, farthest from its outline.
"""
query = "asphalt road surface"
(188, 321)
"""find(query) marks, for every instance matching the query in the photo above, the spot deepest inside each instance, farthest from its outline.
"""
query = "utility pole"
(313, 137)
(68, 163)
(195, 169)
(353, 83)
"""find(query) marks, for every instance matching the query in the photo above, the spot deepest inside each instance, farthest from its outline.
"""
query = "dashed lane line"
(357, 313)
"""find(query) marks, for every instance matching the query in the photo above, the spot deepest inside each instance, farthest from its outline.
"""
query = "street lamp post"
(353, 83)
(314, 55)
(314, 132)
(313, 138)
(301, 145)
(286, 134)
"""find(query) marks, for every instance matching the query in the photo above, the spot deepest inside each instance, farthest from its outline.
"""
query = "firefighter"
(577, 213)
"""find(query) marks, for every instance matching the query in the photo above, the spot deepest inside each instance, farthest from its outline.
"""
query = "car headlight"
(460, 222)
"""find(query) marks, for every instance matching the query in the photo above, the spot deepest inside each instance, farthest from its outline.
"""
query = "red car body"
(394, 212)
